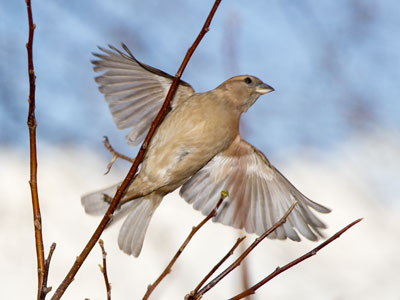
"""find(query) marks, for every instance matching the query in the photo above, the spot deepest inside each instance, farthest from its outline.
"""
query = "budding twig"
(103, 269)
(45, 289)
(214, 269)
(279, 270)
(31, 122)
(238, 261)
(115, 154)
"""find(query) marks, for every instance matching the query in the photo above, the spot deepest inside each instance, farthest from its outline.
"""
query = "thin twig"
(237, 262)
(103, 269)
(167, 270)
(132, 171)
(31, 122)
(214, 269)
(279, 270)
(46, 289)
(115, 154)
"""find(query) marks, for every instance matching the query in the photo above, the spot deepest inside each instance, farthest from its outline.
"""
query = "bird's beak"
(264, 88)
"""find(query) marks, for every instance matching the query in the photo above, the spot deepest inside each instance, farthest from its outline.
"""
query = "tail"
(96, 204)
(139, 211)
(131, 235)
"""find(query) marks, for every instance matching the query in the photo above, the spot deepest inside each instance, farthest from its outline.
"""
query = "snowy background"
(332, 127)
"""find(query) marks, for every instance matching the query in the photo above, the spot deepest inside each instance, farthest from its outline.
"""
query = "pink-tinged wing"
(259, 194)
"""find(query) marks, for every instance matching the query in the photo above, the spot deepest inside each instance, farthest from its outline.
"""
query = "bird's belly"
(170, 163)
(188, 138)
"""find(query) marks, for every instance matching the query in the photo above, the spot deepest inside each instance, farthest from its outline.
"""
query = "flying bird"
(196, 147)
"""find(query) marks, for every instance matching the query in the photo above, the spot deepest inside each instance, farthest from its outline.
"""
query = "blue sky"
(334, 65)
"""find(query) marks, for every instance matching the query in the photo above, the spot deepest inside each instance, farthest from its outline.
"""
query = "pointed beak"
(264, 88)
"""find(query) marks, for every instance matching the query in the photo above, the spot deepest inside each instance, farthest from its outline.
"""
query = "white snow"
(359, 179)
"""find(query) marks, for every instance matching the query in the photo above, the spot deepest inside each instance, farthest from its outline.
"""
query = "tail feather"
(95, 204)
(139, 211)
(133, 231)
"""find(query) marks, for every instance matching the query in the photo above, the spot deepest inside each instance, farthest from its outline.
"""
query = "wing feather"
(258, 194)
(134, 91)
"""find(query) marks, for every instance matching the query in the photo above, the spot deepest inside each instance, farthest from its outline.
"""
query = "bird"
(198, 148)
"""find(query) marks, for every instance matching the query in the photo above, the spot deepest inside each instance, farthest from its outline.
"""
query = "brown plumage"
(197, 146)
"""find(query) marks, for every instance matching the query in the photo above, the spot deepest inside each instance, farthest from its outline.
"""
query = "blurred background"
(332, 126)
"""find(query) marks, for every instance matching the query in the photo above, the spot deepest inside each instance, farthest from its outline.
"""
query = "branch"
(238, 261)
(214, 269)
(293, 263)
(103, 269)
(45, 289)
(115, 154)
(114, 203)
(31, 122)
(167, 270)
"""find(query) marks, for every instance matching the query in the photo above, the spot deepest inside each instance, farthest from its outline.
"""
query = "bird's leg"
(124, 200)
(107, 198)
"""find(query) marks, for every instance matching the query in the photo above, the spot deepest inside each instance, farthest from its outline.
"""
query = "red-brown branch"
(103, 269)
(37, 220)
(167, 270)
(214, 269)
(279, 270)
(114, 203)
(238, 261)
(115, 154)
(45, 289)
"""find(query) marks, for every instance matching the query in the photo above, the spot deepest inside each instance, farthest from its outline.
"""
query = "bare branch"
(45, 289)
(167, 270)
(31, 122)
(214, 269)
(114, 204)
(103, 269)
(115, 154)
(238, 261)
(279, 270)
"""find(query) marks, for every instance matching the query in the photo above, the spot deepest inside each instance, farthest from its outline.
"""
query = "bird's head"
(242, 91)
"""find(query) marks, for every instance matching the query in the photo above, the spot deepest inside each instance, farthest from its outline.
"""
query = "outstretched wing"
(259, 194)
(134, 91)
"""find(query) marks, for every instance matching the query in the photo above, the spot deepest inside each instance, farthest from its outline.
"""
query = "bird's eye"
(248, 80)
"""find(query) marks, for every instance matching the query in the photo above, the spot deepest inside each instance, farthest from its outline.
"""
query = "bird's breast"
(188, 138)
